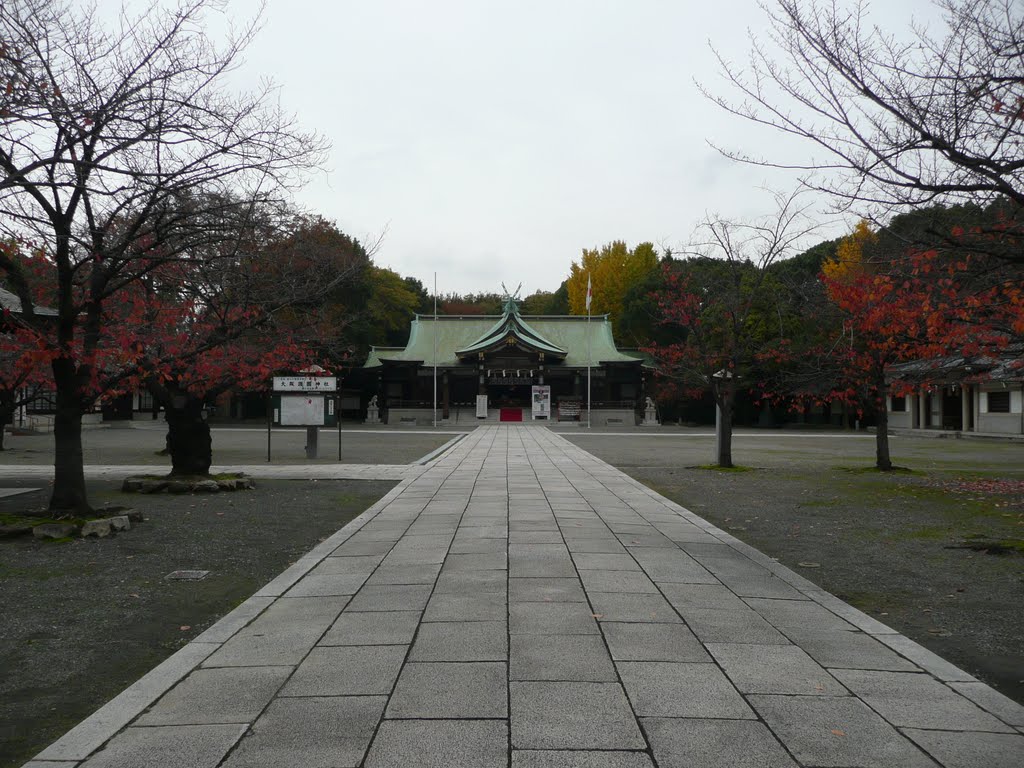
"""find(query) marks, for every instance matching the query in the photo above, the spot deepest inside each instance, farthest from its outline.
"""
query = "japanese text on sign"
(305, 383)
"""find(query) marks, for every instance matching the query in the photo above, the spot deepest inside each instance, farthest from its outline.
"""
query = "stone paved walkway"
(521, 603)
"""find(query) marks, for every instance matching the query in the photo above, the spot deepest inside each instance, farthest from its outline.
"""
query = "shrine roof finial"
(510, 304)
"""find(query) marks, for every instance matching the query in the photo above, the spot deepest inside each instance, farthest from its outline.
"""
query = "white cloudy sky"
(493, 141)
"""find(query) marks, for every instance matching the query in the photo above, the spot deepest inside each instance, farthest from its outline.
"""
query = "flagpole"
(589, 295)
(435, 350)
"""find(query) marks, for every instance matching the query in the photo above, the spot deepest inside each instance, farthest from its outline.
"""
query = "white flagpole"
(588, 350)
(435, 350)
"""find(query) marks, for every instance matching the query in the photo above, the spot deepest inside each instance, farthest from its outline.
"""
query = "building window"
(899, 403)
(145, 400)
(998, 402)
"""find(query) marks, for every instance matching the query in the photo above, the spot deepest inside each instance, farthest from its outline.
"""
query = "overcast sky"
(494, 141)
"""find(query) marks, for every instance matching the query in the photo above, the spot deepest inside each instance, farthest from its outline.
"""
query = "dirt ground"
(891, 544)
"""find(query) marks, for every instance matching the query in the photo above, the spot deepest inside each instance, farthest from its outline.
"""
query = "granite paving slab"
(450, 690)
(517, 602)
(715, 744)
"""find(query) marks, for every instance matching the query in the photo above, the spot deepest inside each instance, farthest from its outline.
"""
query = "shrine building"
(489, 367)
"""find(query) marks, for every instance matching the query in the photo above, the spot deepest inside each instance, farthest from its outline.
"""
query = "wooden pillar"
(922, 408)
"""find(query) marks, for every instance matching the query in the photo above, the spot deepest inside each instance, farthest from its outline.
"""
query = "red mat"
(511, 414)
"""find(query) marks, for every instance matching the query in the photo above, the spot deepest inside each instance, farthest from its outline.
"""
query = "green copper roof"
(511, 328)
(460, 334)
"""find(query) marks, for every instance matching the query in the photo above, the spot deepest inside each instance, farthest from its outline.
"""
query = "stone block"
(494, 561)
(347, 671)
(544, 758)
(917, 700)
(551, 619)
(798, 614)
(168, 747)
(461, 641)
(373, 628)
(560, 657)
(425, 573)
(587, 561)
(450, 690)
(331, 732)
(281, 635)
(391, 598)
(660, 689)
(153, 486)
(971, 750)
(211, 696)
(847, 650)
(774, 669)
(715, 626)
(54, 530)
(715, 744)
(440, 744)
(653, 642)
(621, 606)
(617, 581)
(319, 585)
(593, 716)
(471, 582)
(1005, 708)
(837, 731)
(546, 590)
(481, 607)
(98, 528)
(120, 523)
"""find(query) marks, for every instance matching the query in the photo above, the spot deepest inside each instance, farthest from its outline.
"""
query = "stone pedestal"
(373, 415)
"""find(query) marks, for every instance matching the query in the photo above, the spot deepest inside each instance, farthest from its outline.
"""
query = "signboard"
(304, 410)
(541, 401)
(305, 383)
(481, 406)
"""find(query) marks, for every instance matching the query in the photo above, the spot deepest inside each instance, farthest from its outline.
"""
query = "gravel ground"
(879, 541)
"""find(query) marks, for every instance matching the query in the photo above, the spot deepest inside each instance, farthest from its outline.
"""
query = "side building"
(983, 395)
(501, 358)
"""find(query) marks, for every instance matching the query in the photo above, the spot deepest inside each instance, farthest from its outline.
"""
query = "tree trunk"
(188, 437)
(882, 459)
(725, 431)
(6, 412)
(68, 498)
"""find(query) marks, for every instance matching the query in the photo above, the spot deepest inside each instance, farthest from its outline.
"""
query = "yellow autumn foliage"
(849, 262)
(612, 270)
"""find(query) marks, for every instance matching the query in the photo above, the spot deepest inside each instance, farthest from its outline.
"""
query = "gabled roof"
(510, 330)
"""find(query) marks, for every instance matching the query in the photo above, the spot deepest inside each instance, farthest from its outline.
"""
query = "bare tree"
(937, 117)
(119, 150)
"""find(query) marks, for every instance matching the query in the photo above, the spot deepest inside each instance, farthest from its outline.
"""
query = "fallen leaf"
(184, 627)
(597, 615)
(809, 565)
(837, 732)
